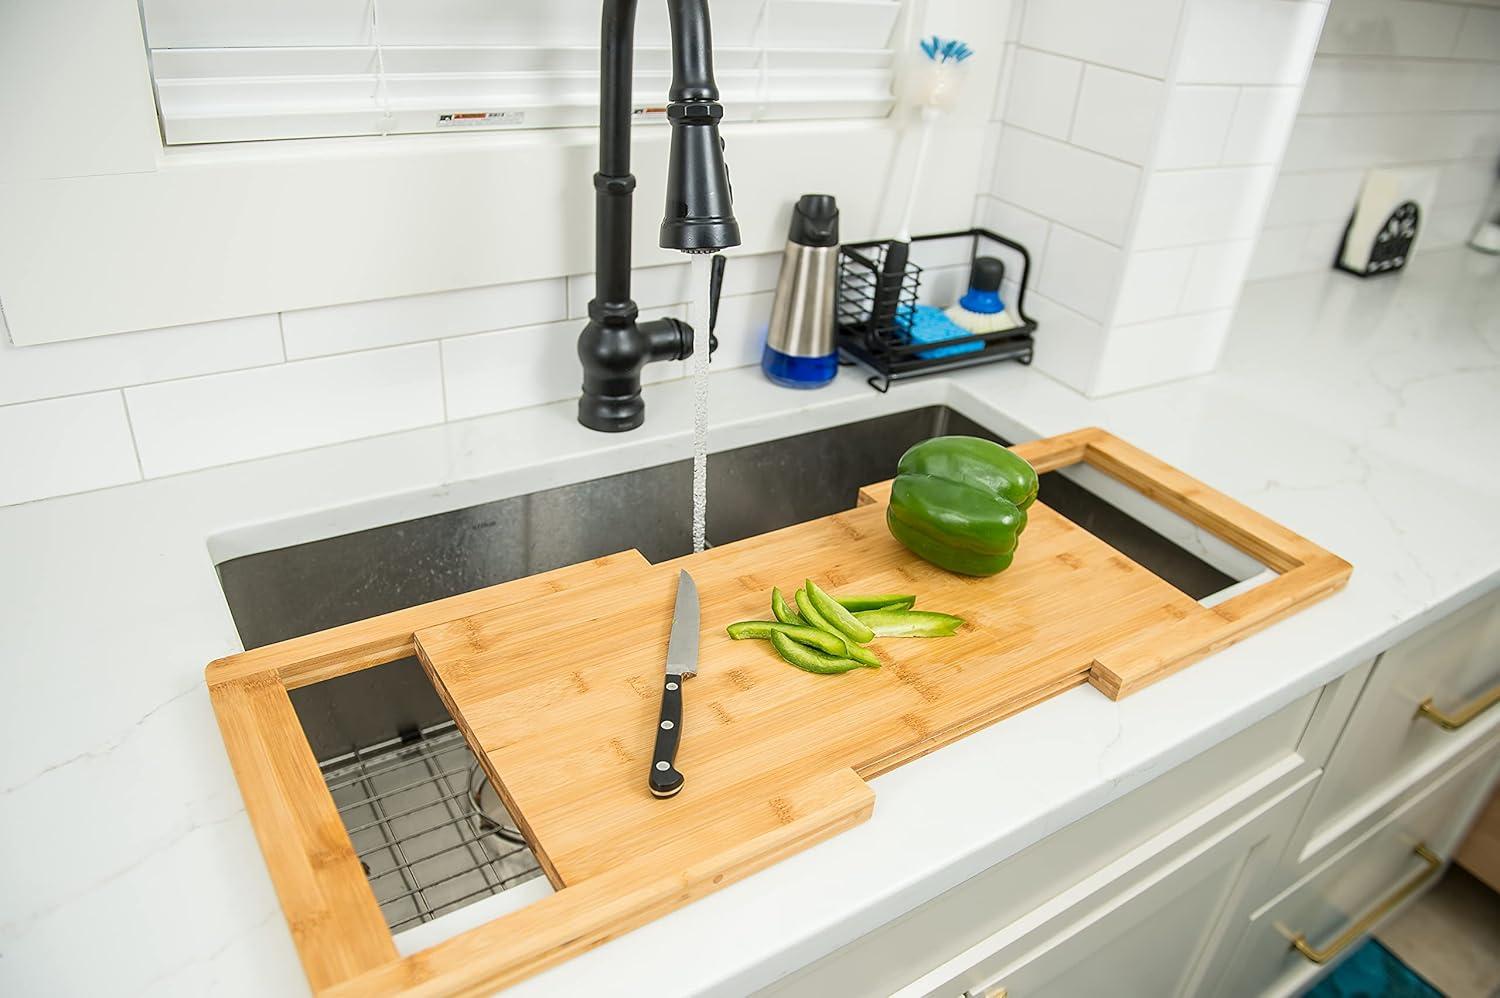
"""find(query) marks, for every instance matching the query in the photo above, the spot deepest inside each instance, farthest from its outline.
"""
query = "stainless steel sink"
(390, 752)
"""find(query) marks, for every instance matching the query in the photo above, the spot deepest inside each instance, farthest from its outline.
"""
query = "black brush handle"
(888, 287)
(665, 779)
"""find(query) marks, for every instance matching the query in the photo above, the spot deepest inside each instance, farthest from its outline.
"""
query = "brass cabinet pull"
(1464, 714)
(1375, 914)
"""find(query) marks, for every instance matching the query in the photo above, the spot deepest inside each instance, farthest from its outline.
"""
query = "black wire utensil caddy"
(879, 338)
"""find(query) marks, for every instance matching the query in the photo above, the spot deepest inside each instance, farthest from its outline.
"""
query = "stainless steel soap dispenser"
(801, 347)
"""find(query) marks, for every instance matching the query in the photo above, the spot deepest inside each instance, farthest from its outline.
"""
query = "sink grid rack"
(410, 809)
(884, 346)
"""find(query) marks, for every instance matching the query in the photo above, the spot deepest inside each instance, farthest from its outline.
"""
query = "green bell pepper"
(960, 503)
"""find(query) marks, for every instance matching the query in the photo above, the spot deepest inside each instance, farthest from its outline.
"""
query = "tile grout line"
(443, 378)
(135, 444)
(281, 332)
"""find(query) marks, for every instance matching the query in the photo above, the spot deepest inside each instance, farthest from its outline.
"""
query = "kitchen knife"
(682, 663)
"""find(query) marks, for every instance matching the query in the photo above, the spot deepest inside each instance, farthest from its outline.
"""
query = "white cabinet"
(1453, 667)
(1355, 889)
(1153, 935)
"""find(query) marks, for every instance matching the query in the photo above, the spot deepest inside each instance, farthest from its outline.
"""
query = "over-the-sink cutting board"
(555, 681)
(560, 697)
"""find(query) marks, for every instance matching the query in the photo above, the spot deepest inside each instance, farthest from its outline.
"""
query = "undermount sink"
(405, 781)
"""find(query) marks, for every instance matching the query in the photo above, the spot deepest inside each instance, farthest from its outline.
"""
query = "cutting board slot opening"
(430, 832)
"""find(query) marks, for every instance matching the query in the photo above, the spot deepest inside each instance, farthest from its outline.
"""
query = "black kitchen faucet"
(699, 216)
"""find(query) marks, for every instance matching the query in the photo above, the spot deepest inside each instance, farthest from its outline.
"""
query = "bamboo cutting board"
(556, 684)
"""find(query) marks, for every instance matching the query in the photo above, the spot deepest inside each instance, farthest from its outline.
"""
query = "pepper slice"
(909, 623)
(750, 629)
(809, 659)
(830, 610)
(781, 611)
(810, 613)
(887, 601)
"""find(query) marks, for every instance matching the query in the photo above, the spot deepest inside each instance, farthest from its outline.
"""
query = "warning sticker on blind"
(469, 119)
(649, 110)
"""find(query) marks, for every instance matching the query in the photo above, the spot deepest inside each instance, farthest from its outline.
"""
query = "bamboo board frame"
(340, 934)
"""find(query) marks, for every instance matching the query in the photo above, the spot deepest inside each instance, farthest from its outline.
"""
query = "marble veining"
(1365, 414)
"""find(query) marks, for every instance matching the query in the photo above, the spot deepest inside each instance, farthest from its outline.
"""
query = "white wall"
(1395, 83)
(1137, 147)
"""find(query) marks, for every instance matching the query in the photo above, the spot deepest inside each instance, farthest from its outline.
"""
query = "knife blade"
(682, 663)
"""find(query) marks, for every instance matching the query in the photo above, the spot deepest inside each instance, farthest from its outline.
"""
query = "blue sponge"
(926, 324)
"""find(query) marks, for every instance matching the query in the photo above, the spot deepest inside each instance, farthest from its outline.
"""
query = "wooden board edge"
(1123, 671)
(585, 915)
(337, 651)
(953, 732)
(335, 921)
(532, 841)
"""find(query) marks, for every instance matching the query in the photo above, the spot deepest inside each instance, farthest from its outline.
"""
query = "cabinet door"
(1153, 938)
(1365, 882)
(1454, 667)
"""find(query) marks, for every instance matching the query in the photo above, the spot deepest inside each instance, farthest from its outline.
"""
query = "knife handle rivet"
(666, 725)
(663, 766)
(671, 686)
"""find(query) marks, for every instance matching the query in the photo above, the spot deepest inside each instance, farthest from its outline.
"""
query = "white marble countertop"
(1365, 415)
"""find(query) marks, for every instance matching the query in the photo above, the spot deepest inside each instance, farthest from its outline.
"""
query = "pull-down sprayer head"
(699, 215)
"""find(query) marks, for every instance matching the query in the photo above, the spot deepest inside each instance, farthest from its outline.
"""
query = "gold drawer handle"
(1464, 714)
(1375, 914)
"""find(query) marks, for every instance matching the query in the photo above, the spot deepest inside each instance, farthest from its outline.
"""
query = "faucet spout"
(699, 216)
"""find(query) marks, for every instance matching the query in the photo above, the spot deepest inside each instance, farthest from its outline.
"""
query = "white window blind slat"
(435, 65)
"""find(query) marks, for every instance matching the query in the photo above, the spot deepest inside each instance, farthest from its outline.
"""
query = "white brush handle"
(924, 140)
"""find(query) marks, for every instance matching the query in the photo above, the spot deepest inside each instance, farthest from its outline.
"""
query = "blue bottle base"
(799, 372)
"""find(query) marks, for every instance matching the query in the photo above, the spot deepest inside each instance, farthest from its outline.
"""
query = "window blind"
(243, 70)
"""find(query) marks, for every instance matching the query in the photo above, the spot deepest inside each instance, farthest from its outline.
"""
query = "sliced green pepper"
(811, 660)
(829, 609)
(888, 601)
(909, 623)
(750, 629)
(960, 503)
(810, 613)
(781, 611)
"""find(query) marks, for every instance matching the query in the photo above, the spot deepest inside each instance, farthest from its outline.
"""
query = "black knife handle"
(665, 779)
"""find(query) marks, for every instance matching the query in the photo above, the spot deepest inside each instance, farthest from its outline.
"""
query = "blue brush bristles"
(945, 50)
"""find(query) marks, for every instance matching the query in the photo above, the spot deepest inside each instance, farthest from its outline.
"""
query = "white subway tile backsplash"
(1277, 252)
(1118, 113)
(221, 418)
(1319, 196)
(654, 287)
(1364, 140)
(1390, 27)
(315, 332)
(1043, 92)
(1081, 189)
(1262, 123)
(78, 366)
(512, 368)
(1018, 224)
(1081, 272)
(742, 330)
(1248, 41)
(1216, 275)
(1137, 36)
(1068, 345)
(64, 445)
(1149, 353)
(1200, 206)
(1152, 285)
(1197, 123)
(1480, 36)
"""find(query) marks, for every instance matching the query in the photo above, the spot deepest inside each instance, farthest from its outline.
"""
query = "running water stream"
(699, 265)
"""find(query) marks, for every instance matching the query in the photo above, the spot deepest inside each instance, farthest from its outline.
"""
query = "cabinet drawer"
(1169, 812)
(1294, 937)
(1419, 698)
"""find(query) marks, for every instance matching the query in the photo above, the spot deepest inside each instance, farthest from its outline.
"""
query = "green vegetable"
(781, 611)
(960, 503)
(909, 623)
(888, 601)
(749, 629)
(810, 660)
(810, 612)
(829, 609)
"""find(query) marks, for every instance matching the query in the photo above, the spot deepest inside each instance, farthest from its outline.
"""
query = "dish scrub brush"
(980, 310)
(932, 86)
